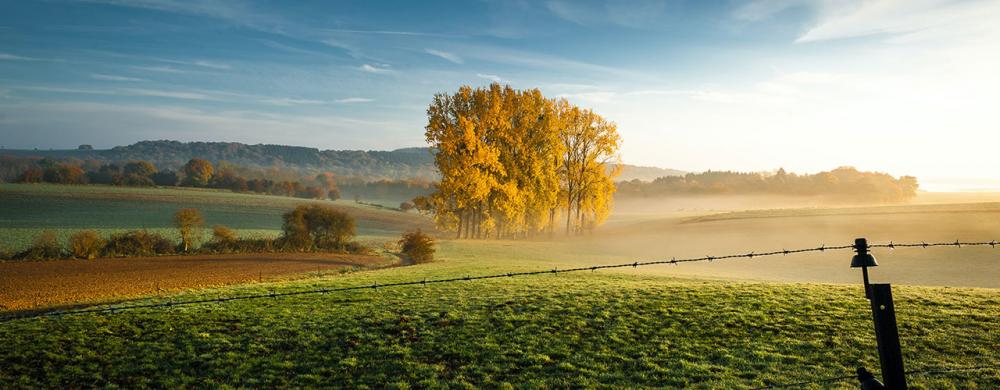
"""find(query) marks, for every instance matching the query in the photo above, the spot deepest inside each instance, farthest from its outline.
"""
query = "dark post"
(886, 334)
(884, 315)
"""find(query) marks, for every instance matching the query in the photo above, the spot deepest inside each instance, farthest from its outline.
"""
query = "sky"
(908, 87)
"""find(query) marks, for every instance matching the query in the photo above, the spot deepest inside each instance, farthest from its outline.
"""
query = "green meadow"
(725, 324)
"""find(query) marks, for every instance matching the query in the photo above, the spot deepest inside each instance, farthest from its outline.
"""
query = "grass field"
(732, 327)
(28, 209)
(590, 329)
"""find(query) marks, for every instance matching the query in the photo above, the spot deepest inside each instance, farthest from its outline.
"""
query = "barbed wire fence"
(635, 264)
(111, 309)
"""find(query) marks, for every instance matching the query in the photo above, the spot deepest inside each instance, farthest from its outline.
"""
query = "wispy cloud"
(758, 10)
(232, 12)
(184, 95)
(313, 102)
(445, 55)
(107, 77)
(293, 102)
(386, 32)
(168, 94)
(354, 100)
(632, 14)
(160, 69)
(12, 57)
(904, 20)
(493, 77)
(191, 124)
(377, 68)
(198, 63)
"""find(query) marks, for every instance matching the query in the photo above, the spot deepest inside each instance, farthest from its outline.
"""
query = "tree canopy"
(513, 161)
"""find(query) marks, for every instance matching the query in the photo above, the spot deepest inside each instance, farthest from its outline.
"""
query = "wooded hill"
(407, 163)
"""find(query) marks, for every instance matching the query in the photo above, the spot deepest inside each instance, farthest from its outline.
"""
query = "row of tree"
(844, 183)
(196, 173)
(514, 162)
(307, 228)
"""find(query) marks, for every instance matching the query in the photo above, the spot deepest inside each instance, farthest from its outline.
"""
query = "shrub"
(223, 234)
(417, 246)
(223, 240)
(46, 246)
(85, 244)
(137, 243)
(316, 226)
(358, 248)
(189, 223)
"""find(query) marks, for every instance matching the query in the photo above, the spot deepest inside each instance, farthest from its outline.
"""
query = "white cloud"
(354, 100)
(106, 77)
(445, 55)
(904, 20)
(492, 77)
(380, 69)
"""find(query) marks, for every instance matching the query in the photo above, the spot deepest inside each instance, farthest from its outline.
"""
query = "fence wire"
(424, 282)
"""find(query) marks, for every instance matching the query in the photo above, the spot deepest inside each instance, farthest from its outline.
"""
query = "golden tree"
(510, 160)
(189, 223)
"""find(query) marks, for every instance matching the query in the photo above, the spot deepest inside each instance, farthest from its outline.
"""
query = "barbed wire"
(922, 244)
(925, 371)
(424, 282)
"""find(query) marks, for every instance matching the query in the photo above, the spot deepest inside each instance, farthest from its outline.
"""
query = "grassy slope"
(28, 209)
(589, 329)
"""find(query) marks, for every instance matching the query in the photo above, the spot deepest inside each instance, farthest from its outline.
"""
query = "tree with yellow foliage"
(511, 161)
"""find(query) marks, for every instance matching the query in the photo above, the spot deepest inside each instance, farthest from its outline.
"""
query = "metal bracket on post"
(887, 335)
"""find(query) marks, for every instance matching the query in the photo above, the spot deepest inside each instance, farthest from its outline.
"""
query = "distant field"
(27, 209)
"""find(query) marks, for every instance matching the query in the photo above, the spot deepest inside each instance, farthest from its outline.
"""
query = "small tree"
(189, 222)
(85, 244)
(317, 226)
(198, 172)
(417, 246)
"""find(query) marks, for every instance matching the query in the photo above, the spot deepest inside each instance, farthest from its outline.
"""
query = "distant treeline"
(199, 172)
(845, 184)
(407, 163)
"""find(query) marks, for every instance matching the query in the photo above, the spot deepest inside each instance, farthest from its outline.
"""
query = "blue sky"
(753, 85)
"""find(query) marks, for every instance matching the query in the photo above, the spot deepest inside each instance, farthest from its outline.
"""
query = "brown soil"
(33, 285)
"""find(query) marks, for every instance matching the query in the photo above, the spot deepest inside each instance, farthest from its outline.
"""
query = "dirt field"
(28, 285)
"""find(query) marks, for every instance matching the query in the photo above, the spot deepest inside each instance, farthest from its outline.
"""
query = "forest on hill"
(407, 163)
(842, 184)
